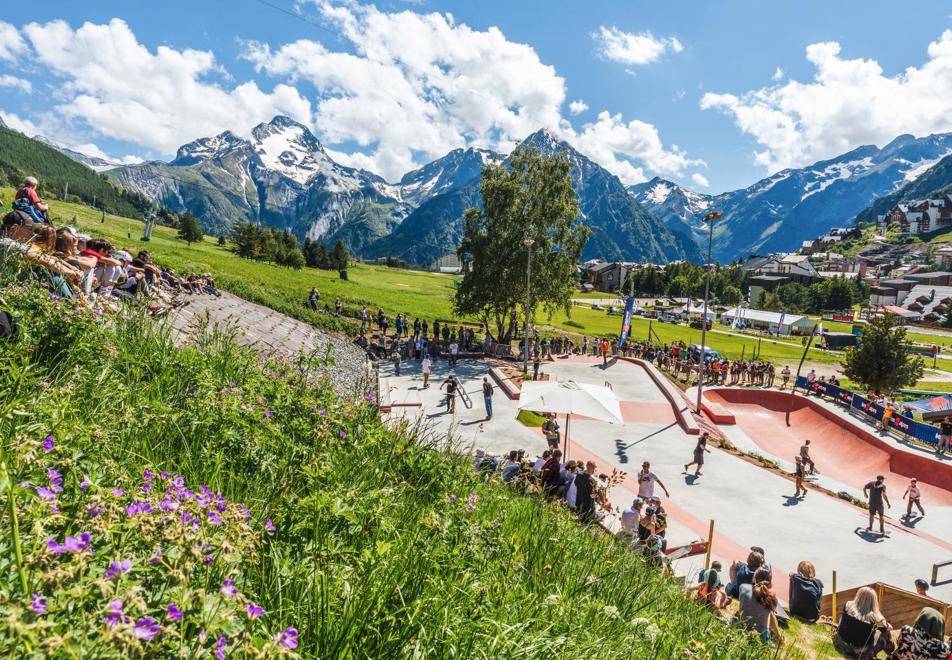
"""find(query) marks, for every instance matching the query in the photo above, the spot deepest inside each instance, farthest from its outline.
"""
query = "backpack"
(9, 327)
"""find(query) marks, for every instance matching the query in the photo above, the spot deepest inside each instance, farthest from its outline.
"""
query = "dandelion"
(48, 444)
(254, 610)
(173, 613)
(288, 638)
(269, 526)
(117, 568)
(220, 647)
(114, 613)
(38, 603)
(146, 628)
(228, 587)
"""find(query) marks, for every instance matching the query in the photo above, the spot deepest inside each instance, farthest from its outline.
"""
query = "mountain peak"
(546, 141)
(207, 148)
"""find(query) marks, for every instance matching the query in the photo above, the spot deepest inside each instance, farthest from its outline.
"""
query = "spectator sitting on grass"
(863, 631)
(511, 467)
(924, 640)
(743, 573)
(806, 590)
(709, 589)
(758, 605)
(631, 517)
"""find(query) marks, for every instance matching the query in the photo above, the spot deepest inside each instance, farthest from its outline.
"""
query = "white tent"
(570, 398)
(778, 322)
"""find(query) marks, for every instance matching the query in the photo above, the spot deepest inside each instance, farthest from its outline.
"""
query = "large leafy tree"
(882, 361)
(531, 197)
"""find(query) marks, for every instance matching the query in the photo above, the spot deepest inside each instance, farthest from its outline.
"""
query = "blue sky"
(710, 106)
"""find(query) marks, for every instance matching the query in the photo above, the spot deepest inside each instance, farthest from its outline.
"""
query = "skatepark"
(750, 503)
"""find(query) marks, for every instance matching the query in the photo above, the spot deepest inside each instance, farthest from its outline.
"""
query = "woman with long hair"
(758, 606)
(863, 631)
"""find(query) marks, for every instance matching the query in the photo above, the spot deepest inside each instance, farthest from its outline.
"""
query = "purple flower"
(138, 508)
(214, 518)
(54, 547)
(38, 603)
(243, 510)
(56, 480)
(45, 493)
(85, 483)
(269, 526)
(228, 587)
(118, 568)
(78, 543)
(268, 413)
(254, 610)
(156, 556)
(163, 475)
(93, 511)
(114, 613)
(146, 628)
(471, 500)
(147, 475)
(48, 444)
(118, 492)
(288, 638)
(167, 505)
(220, 647)
(322, 412)
(173, 613)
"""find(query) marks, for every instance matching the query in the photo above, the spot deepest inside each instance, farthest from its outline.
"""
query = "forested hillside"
(21, 156)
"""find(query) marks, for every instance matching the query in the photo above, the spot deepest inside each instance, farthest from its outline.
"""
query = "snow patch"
(658, 193)
(919, 168)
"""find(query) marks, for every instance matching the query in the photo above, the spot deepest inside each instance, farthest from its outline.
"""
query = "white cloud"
(633, 49)
(11, 43)
(158, 99)
(21, 124)
(578, 107)
(94, 151)
(699, 179)
(7, 80)
(849, 102)
(777, 74)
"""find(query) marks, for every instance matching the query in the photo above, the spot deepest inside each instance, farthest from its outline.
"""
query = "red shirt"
(91, 253)
(30, 194)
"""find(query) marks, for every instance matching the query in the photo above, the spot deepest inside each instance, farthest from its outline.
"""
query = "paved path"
(751, 505)
(269, 332)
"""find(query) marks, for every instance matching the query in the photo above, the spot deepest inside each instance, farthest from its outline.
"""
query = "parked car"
(709, 353)
(696, 324)
(668, 318)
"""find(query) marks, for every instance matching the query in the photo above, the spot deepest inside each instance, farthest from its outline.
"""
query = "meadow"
(196, 501)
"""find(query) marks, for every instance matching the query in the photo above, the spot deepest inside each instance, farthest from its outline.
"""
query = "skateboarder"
(913, 493)
(427, 366)
(805, 456)
(451, 386)
(488, 397)
(876, 492)
(799, 474)
(699, 454)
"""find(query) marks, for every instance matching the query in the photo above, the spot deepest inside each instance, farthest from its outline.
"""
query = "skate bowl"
(779, 422)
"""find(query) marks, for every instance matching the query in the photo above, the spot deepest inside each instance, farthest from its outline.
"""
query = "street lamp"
(525, 341)
(709, 218)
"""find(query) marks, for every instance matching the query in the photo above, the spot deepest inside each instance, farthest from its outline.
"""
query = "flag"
(780, 323)
(626, 321)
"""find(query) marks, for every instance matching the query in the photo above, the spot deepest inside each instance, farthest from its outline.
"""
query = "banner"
(921, 431)
(626, 321)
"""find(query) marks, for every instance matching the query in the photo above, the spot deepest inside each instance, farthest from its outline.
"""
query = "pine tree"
(189, 230)
(339, 257)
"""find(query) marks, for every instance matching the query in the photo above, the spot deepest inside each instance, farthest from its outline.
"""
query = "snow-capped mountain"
(453, 170)
(779, 212)
(934, 182)
(620, 227)
(679, 208)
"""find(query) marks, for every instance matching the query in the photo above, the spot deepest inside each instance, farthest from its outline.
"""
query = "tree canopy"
(882, 361)
(530, 198)
(188, 228)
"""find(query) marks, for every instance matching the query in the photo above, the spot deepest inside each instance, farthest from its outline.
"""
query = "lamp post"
(709, 218)
(525, 340)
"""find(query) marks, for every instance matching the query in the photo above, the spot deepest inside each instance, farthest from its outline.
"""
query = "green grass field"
(418, 294)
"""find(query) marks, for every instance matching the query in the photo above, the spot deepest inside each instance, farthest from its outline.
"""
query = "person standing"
(888, 411)
(450, 384)
(337, 307)
(584, 490)
(604, 347)
(426, 365)
(784, 377)
(536, 363)
(454, 352)
(805, 456)
(945, 435)
(699, 454)
(313, 297)
(811, 378)
(799, 475)
(363, 319)
(488, 397)
(397, 360)
(914, 494)
(647, 480)
(876, 492)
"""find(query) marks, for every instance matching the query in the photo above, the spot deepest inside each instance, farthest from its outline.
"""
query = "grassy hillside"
(21, 156)
(188, 502)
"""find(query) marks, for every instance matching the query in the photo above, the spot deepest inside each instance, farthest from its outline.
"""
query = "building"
(918, 217)
(448, 263)
(609, 276)
(775, 322)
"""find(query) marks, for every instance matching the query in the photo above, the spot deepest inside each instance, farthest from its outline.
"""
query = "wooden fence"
(900, 607)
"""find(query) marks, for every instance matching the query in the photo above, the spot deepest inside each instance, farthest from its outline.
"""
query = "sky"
(711, 94)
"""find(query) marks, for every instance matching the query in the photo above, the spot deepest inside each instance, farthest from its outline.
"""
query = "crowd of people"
(82, 266)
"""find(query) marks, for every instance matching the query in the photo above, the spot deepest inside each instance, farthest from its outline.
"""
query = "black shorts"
(877, 509)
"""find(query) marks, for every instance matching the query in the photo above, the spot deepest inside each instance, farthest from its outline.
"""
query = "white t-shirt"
(538, 464)
(914, 492)
(646, 484)
(570, 494)
(629, 519)
(454, 348)
(426, 365)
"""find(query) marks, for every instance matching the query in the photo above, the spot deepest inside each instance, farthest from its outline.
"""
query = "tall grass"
(383, 546)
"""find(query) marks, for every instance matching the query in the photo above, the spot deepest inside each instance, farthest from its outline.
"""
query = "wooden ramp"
(900, 607)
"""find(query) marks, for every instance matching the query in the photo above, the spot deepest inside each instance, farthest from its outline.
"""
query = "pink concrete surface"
(779, 422)
(647, 413)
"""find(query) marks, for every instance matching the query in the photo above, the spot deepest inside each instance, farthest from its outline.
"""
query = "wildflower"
(214, 518)
(342, 433)
(471, 500)
(254, 610)
(147, 475)
(114, 613)
(451, 497)
(243, 511)
(78, 543)
(268, 413)
(167, 505)
(118, 568)
(269, 526)
(173, 613)
(45, 493)
(220, 647)
(610, 611)
(228, 587)
(156, 556)
(38, 603)
(138, 508)
(48, 444)
(163, 475)
(288, 638)
(118, 492)
(322, 412)
(85, 483)
(93, 511)
(552, 599)
(146, 628)
(56, 480)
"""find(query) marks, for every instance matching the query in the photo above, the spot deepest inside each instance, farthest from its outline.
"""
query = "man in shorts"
(876, 492)
(805, 456)
(451, 387)
(945, 435)
(799, 475)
